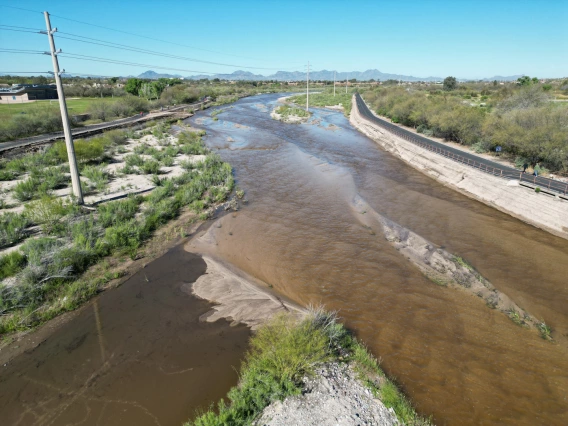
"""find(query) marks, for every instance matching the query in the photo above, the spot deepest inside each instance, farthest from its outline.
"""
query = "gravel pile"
(333, 397)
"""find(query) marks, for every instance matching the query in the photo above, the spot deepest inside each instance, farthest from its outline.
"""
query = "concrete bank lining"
(545, 212)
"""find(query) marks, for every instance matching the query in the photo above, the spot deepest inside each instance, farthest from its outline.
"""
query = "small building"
(27, 93)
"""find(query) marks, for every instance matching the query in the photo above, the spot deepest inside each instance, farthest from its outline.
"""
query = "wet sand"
(136, 355)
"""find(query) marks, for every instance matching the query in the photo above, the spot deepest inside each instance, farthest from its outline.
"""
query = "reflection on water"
(138, 355)
(460, 361)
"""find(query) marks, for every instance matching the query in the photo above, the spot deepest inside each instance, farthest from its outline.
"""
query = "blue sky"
(463, 38)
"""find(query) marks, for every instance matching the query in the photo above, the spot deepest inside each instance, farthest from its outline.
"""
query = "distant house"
(27, 92)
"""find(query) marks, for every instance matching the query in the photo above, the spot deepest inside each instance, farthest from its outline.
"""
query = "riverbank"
(538, 209)
(55, 255)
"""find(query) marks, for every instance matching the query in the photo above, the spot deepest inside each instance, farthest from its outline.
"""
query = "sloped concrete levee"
(545, 211)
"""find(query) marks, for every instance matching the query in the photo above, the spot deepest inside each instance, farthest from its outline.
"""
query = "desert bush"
(115, 212)
(97, 175)
(117, 137)
(48, 212)
(85, 150)
(134, 160)
(150, 167)
(11, 264)
(26, 190)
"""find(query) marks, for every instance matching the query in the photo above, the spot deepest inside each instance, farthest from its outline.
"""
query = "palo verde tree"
(450, 83)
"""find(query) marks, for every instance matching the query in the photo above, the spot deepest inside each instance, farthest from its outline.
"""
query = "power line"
(30, 52)
(150, 52)
(19, 31)
(151, 38)
(133, 34)
(20, 8)
(112, 61)
(4, 73)
(23, 28)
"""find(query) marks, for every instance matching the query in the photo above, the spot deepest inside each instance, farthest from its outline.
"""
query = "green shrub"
(117, 137)
(133, 160)
(48, 212)
(12, 228)
(97, 175)
(281, 354)
(51, 178)
(11, 264)
(537, 189)
(85, 150)
(26, 190)
(125, 237)
(115, 212)
(150, 167)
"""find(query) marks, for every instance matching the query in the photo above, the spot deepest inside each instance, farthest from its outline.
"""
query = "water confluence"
(303, 233)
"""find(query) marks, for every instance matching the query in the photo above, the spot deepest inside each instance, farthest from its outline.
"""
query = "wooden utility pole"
(64, 117)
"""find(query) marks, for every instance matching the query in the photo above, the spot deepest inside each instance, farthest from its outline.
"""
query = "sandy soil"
(333, 397)
(120, 184)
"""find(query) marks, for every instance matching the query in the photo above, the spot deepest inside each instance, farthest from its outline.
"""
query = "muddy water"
(459, 361)
(138, 355)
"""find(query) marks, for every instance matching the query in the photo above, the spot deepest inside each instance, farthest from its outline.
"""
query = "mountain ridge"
(315, 75)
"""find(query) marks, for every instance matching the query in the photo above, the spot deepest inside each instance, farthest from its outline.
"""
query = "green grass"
(11, 264)
(13, 228)
(286, 111)
(284, 351)
(74, 106)
(326, 99)
(460, 261)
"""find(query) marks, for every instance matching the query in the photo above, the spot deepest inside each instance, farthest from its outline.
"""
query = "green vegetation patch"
(327, 99)
(283, 352)
(49, 270)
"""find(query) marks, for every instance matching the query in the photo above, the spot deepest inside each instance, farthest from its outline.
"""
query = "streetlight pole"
(334, 84)
(308, 87)
(76, 183)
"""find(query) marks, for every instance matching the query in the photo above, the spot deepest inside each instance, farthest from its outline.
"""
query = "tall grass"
(13, 228)
(284, 351)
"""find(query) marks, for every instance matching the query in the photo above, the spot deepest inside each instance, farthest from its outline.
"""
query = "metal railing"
(471, 160)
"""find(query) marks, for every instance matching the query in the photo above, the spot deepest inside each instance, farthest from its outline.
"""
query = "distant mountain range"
(314, 75)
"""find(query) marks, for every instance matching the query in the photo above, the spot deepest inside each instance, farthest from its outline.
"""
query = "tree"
(39, 80)
(148, 91)
(113, 80)
(133, 86)
(450, 83)
(526, 80)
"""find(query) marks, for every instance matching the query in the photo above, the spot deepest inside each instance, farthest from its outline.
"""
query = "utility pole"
(308, 87)
(334, 84)
(76, 183)
(346, 85)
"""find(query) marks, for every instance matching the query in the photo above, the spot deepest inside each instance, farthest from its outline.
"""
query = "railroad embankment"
(540, 209)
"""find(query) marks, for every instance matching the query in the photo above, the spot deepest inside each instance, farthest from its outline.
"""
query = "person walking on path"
(525, 167)
(536, 170)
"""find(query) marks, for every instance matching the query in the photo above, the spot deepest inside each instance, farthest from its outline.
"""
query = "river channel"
(460, 361)
(140, 355)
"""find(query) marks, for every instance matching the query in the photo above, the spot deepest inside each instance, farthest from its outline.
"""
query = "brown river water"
(139, 355)
(459, 361)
